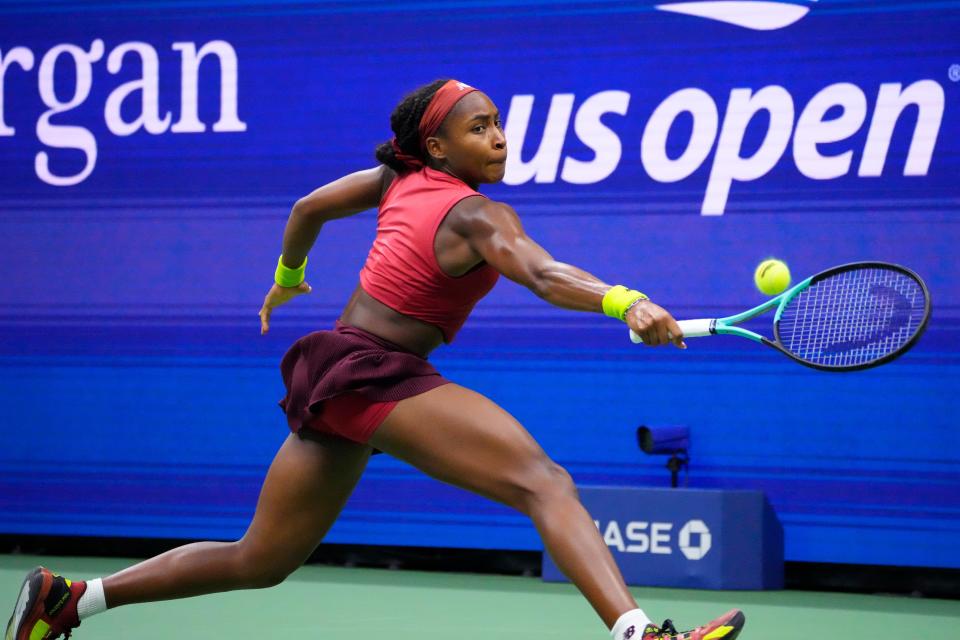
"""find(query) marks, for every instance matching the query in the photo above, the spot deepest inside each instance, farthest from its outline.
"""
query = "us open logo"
(749, 14)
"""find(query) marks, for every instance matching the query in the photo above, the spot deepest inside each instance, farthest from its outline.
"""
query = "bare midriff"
(365, 312)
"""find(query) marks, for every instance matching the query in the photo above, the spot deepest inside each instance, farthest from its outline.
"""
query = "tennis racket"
(847, 318)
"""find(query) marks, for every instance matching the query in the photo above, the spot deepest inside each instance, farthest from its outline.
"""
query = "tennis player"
(366, 384)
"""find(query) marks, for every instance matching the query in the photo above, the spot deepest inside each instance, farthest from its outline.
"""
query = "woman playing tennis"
(367, 384)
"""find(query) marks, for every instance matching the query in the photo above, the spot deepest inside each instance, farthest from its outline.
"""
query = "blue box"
(689, 538)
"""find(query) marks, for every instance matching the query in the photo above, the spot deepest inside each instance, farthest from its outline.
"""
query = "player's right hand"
(654, 325)
(277, 296)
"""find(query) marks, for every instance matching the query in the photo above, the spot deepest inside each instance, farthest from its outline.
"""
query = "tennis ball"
(772, 277)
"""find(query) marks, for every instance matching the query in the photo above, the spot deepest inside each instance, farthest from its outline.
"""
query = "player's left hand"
(277, 296)
(655, 325)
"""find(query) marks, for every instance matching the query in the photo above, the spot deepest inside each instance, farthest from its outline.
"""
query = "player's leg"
(463, 438)
(307, 485)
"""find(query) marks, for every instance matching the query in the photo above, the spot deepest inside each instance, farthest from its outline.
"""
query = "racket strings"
(853, 317)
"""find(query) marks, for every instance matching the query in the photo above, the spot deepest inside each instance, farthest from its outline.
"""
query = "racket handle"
(690, 328)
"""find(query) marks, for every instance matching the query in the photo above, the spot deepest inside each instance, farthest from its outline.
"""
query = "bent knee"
(543, 482)
(260, 568)
(265, 579)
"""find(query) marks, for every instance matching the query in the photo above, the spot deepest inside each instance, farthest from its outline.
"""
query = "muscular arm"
(341, 198)
(493, 231)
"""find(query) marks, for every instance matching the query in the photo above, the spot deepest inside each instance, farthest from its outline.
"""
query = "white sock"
(92, 601)
(630, 625)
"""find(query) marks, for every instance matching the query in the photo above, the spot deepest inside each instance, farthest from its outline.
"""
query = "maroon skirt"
(353, 371)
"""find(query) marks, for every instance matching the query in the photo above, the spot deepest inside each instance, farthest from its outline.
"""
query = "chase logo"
(638, 536)
(694, 539)
(749, 14)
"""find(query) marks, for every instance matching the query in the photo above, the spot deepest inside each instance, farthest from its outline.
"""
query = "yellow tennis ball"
(772, 277)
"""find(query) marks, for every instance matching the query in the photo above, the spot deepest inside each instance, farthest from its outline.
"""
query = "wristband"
(287, 277)
(618, 300)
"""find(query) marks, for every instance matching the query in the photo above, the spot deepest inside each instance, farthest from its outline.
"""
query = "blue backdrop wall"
(150, 153)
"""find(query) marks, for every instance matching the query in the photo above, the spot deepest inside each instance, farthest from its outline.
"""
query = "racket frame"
(727, 325)
(851, 266)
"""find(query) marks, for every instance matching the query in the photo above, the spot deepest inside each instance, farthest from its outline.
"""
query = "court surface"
(335, 603)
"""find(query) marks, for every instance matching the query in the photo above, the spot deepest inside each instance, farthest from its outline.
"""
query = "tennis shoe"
(46, 607)
(726, 627)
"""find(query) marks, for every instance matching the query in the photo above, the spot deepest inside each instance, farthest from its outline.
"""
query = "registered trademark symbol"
(954, 72)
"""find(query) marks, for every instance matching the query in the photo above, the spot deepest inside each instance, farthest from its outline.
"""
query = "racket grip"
(690, 328)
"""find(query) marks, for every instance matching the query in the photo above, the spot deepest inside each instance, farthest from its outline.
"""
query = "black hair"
(405, 122)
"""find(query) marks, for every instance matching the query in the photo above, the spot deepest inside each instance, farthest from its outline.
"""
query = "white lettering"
(725, 138)
(604, 142)
(18, 55)
(728, 164)
(653, 145)
(60, 136)
(660, 537)
(812, 130)
(612, 536)
(543, 167)
(891, 101)
(637, 532)
(656, 541)
(147, 85)
(189, 122)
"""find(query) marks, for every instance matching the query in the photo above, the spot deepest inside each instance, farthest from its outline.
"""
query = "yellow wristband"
(619, 299)
(287, 277)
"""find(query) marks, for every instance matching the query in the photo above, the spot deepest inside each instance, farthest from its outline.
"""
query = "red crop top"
(402, 270)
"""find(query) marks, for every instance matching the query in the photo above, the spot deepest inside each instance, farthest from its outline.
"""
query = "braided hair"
(405, 122)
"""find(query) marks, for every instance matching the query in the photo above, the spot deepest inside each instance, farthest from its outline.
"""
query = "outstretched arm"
(493, 231)
(341, 198)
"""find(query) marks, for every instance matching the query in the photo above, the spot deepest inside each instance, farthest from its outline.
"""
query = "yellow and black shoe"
(726, 627)
(46, 608)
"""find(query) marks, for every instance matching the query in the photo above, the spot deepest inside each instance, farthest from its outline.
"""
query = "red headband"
(440, 105)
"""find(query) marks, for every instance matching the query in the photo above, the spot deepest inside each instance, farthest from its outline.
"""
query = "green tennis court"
(339, 603)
